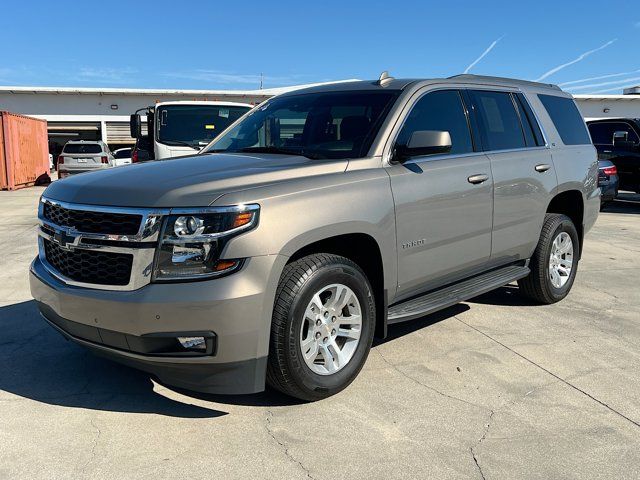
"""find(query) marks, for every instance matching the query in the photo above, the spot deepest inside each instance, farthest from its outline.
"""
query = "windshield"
(316, 125)
(194, 125)
(82, 148)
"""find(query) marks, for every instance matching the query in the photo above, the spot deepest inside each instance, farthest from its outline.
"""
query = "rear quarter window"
(567, 119)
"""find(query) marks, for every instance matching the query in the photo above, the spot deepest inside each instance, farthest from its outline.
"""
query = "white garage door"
(118, 133)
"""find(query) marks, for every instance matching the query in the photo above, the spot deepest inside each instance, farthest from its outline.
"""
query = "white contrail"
(576, 60)
(484, 54)
(601, 77)
(604, 84)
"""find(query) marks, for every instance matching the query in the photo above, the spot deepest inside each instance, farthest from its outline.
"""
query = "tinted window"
(566, 118)
(442, 110)
(499, 122)
(316, 125)
(602, 133)
(82, 148)
(529, 122)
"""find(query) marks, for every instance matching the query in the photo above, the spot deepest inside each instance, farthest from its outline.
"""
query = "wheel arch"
(363, 249)
(571, 204)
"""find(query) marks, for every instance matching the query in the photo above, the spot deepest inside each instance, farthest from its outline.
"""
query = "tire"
(324, 274)
(539, 284)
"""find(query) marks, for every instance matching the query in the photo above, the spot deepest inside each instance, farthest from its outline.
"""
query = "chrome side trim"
(427, 89)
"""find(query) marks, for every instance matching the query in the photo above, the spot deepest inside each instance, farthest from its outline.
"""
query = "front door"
(443, 202)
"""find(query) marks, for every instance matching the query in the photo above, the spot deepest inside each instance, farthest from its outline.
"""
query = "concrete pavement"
(492, 388)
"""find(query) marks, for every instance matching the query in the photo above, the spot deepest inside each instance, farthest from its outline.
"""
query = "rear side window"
(532, 132)
(567, 119)
(442, 110)
(79, 148)
(602, 133)
(500, 127)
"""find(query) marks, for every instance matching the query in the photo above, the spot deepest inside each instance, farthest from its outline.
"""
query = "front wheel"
(322, 327)
(555, 261)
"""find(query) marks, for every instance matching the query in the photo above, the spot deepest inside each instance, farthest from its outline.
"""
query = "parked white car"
(79, 156)
(122, 156)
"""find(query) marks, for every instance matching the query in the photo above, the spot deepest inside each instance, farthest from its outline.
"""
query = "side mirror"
(135, 126)
(621, 140)
(423, 142)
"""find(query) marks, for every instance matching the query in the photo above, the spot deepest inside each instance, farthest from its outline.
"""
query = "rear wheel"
(322, 327)
(555, 261)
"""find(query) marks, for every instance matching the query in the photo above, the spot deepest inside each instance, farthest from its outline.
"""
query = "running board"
(456, 293)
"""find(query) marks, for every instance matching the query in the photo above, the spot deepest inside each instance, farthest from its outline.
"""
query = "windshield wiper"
(178, 142)
(284, 151)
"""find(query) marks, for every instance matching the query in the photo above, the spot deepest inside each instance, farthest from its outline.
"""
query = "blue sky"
(198, 44)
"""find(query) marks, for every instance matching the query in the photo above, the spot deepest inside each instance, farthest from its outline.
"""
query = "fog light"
(193, 343)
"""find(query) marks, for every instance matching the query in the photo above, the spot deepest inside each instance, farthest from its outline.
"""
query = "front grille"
(90, 266)
(93, 222)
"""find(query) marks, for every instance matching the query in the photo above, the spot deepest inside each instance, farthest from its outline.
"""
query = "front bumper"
(236, 310)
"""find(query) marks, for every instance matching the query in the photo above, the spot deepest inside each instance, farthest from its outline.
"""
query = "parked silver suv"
(81, 156)
(313, 223)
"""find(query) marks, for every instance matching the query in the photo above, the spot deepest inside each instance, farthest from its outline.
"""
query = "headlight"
(192, 240)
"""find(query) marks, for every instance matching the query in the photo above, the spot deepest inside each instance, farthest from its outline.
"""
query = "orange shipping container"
(24, 151)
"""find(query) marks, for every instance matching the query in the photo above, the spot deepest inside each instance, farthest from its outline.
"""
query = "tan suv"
(313, 223)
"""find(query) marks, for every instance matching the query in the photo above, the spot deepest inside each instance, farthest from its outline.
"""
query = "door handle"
(543, 167)
(477, 179)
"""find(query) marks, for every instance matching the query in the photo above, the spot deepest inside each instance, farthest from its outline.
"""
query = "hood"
(186, 181)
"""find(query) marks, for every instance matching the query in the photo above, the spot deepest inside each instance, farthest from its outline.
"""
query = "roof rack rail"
(488, 78)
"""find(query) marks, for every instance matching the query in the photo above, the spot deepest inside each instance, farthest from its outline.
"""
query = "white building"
(610, 106)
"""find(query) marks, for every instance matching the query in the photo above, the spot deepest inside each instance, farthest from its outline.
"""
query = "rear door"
(79, 156)
(523, 171)
(443, 212)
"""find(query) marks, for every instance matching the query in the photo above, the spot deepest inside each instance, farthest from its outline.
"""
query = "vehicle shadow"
(506, 296)
(39, 364)
(625, 202)
(399, 330)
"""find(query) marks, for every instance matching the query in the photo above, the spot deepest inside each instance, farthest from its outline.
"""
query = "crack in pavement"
(484, 435)
(19, 344)
(429, 387)
(611, 409)
(93, 447)
(272, 434)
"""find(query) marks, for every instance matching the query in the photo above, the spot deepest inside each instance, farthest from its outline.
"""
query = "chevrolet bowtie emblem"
(63, 238)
